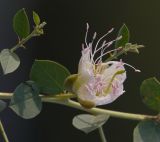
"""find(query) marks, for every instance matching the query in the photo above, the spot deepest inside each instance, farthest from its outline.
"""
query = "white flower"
(99, 83)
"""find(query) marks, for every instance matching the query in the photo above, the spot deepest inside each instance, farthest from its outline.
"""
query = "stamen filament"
(94, 37)
(86, 34)
(110, 43)
(102, 38)
(107, 53)
(136, 70)
(105, 46)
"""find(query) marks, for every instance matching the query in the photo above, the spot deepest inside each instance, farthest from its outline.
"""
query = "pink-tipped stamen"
(136, 70)
(107, 53)
(102, 38)
(110, 43)
(105, 46)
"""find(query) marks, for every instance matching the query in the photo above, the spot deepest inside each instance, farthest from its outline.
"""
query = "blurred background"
(64, 34)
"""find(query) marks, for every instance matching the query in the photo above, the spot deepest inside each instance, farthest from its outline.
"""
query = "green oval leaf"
(21, 23)
(26, 101)
(147, 131)
(88, 123)
(36, 18)
(9, 61)
(150, 93)
(124, 32)
(3, 105)
(49, 76)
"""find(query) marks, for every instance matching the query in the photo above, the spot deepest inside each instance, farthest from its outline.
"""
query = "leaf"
(26, 101)
(49, 76)
(9, 61)
(147, 131)
(124, 32)
(21, 23)
(3, 105)
(150, 93)
(88, 123)
(36, 18)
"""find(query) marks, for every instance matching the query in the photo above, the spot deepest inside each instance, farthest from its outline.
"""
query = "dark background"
(62, 41)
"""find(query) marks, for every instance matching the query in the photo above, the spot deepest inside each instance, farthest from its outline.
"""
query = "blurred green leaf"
(88, 123)
(36, 18)
(21, 23)
(3, 105)
(49, 76)
(147, 131)
(9, 61)
(26, 101)
(150, 93)
(124, 32)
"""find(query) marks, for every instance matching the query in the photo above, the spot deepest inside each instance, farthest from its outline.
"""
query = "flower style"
(98, 82)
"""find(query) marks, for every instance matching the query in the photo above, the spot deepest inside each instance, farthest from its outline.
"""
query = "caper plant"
(99, 81)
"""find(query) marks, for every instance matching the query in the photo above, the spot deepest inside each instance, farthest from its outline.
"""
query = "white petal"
(112, 69)
(110, 97)
(85, 94)
(87, 79)
(85, 68)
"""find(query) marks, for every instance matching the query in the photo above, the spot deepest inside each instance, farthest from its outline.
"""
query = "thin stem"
(22, 42)
(116, 114)
(124, 51)
(35, 32)
(102, 135)
(3, 133)
(74, 104)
